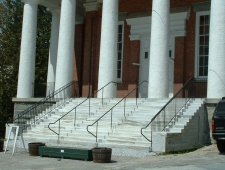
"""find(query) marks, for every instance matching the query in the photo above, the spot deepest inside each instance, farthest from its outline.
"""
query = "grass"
(177, 152)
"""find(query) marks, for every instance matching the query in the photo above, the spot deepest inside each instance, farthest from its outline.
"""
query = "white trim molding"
(93, 6)
(120, 23)
(134, 37)
(198, 14)
(142, 25)
(35, 2)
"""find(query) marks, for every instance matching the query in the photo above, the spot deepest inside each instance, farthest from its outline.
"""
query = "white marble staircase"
(125, 131)
(136, 117)
(188, 130)
(185, 116)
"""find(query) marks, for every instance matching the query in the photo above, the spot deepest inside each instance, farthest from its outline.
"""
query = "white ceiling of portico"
(56, 4)
(94, 0)
(51, 3)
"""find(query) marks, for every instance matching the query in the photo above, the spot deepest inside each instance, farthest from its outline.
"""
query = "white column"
(53, 51)
(64, 69)
(216, 68)
(108, 48)
(28, 50)
(159, 50)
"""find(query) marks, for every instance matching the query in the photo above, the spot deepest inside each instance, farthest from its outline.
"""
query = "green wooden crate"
(66, 152)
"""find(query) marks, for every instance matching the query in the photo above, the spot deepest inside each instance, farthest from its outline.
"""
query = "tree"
(11, 17)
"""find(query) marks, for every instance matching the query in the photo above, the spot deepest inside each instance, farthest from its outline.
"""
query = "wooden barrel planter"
(33, 148)
(102, 155)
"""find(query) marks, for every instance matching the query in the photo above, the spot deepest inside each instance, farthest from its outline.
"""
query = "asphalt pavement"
(205, 158)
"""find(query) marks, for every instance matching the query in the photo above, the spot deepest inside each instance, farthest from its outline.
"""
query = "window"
(202, 43)
(120, 52)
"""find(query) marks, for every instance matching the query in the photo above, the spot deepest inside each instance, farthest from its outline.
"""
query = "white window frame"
(121, 75)
(198, 14)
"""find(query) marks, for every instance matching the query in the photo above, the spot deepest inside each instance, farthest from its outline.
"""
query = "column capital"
(92, 6)
(35, 2)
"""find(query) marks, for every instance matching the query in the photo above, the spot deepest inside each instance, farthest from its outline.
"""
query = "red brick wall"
(91, 52)
(185, 54)
(180, 3)
(184, 48)
(132, 6)
(78, 54)
(179, 63)
(134, 69)
(130, 71)
(189, 48)
(88, 53)
(96, 45)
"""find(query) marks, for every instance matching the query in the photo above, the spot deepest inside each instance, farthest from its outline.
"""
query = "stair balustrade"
(31, 115)
(75, 109)
(192, 89)
(111, 111)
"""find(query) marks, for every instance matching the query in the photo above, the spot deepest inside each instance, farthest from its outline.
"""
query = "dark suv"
(218, 125)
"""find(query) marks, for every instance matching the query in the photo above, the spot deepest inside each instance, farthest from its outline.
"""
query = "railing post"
(111, 118)
(164, 118)
(75, 117)
(64, 94)
(89, 105)
(151, 137)
(124, 107)
(59, 131)
(30, 112)
(97, 132)
(102, 95)
(175, 106)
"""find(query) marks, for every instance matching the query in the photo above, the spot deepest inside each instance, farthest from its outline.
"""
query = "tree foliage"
(11, 18)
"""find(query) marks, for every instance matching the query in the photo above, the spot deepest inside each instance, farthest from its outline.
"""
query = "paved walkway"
(206, 158)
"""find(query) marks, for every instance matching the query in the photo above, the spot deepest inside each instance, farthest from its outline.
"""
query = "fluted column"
(108, 48)
(53, 51)
(65, 59)
(28, 50)
(159, 50)
(216, 68)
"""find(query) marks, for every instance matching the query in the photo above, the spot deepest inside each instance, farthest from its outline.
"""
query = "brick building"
(164, 42)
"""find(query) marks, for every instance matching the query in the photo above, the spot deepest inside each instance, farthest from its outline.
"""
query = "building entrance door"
(144, 66)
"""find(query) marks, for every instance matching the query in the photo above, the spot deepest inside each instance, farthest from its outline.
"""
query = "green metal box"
(66, 152)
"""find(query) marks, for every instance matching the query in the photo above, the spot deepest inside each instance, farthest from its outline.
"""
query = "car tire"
(221, 145)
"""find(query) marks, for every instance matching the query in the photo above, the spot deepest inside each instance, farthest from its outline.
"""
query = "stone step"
(126, 131)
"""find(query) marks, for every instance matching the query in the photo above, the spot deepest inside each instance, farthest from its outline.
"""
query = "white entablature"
(56, 4)
(142, 25)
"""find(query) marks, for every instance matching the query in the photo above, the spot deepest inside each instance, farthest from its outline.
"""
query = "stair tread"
(126, 130)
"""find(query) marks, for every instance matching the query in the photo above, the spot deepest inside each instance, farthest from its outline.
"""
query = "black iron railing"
(111, 111)
(75, 108)
(198, 88)
(31, 115)
(194, 88)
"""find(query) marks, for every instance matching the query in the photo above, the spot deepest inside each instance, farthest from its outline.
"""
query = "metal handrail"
(34, 108)
(124, 98)
(88, 97)
(52, 109)
(163, 108)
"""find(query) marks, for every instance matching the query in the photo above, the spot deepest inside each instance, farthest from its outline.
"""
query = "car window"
(220, 108)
